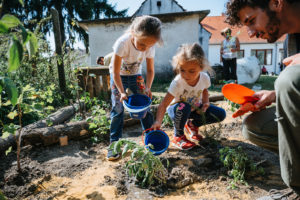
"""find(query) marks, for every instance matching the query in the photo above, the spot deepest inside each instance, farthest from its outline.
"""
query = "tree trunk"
(58, 50)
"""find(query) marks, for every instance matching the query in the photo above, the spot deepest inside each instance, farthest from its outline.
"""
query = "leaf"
(12, 115)
(15, 55)
(5, 135)
(7, 152)
(25, 35)
(11, 90)
(21, 2)
(126, 148)
(3, 28)
(10, 21)
(33, 44)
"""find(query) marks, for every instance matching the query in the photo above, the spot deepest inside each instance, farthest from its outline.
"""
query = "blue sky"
(216, 7)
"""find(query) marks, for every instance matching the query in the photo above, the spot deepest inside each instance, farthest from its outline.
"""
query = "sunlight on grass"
(265, 81)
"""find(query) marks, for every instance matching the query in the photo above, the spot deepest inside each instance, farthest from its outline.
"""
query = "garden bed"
(81, 171)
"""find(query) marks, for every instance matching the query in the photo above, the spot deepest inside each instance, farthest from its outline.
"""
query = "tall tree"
(69, 10)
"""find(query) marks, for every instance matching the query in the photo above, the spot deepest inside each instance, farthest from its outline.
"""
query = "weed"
(238, 163)
(167, 121)
(99, 122)
(143, 165)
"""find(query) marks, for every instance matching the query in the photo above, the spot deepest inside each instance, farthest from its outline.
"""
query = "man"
(100, 60)
(271, 19)
(229, 48)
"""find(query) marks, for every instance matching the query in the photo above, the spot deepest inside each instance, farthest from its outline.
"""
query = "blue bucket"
(158, 138)
(137, 105)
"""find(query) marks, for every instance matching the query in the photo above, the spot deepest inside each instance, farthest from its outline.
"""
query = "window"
(241, 54)
(158, 3)
(263, 55)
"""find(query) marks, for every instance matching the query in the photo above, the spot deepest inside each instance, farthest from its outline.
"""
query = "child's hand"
(156, 125)
(148, 92)
(205, 106)
(123, 97)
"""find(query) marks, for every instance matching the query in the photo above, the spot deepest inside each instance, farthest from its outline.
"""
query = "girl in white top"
(187, 100)
(129, 52)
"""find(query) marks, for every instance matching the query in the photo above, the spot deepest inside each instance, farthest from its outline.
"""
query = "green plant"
(2, 197)
(238, 163)
(156, 99)
(20, 40)
(167, 121)
(99, 123)
(146, 167)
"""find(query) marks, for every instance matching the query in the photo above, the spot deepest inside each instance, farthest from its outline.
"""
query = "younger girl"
(190, 107)
(130, 50)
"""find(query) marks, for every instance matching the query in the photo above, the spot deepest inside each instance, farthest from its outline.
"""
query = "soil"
(81, 171)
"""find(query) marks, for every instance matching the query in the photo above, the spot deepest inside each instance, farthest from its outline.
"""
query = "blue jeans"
(117, 113)
(181, 112)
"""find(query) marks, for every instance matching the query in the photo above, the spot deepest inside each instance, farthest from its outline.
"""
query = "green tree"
(69, 10)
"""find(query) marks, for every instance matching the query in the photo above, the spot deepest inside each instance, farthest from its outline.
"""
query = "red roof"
(215, 24)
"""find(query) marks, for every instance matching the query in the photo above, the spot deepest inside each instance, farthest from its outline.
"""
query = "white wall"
(214, 54)
(204, 36)
(185, 30)
(150, 7)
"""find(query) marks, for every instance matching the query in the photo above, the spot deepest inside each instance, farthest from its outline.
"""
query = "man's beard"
(273, 26)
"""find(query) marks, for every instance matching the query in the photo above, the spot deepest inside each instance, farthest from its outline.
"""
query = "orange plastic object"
(244, 109)
(238, 94)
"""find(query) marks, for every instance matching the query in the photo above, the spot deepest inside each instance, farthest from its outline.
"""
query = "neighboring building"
(179, 26)
(268, 54)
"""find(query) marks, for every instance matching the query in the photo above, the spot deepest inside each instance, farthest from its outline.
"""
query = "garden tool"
(241, 95)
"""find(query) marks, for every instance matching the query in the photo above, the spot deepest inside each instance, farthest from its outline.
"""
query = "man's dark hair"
(234, 6)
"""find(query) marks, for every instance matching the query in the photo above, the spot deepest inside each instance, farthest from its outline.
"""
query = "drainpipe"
(276, 57)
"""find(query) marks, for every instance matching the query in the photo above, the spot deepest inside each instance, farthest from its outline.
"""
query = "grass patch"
(265, 81)
(161, 86)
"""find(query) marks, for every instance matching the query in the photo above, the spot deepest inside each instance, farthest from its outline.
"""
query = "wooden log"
(219, 97)
(90, 86)
(50, 135)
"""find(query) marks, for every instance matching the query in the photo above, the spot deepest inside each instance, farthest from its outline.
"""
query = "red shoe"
(193, 131)
(183, 143)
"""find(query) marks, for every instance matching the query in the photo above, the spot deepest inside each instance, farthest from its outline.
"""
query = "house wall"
(214, 54)
(150, 7)
(204, 36)
(102, 38)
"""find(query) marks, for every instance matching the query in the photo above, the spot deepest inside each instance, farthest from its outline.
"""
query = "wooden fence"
(95, 80)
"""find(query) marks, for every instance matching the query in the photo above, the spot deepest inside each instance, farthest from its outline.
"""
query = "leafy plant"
(99, 123)
(143, 165)
(20, 40)
(2, 197)
(167, 121)
(238, 164)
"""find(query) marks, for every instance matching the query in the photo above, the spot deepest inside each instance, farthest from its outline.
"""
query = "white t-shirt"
(182, 91)
(132, 59)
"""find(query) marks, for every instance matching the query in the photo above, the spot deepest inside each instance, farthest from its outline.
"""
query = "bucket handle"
(145, 131)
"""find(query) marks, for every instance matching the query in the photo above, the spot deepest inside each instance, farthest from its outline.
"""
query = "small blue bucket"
(137, 105)
(158, 138)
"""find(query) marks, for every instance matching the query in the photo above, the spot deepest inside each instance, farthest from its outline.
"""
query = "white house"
(268, 54)
(179, 26)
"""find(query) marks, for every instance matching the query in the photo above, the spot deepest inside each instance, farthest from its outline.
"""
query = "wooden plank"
(90, 86)
(95, 70)
(97, 86)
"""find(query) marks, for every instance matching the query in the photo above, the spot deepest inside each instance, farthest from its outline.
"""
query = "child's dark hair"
(190, 52)
(146, 26)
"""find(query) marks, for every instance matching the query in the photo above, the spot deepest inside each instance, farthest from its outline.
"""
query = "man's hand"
(292, 60)
(265, 98)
